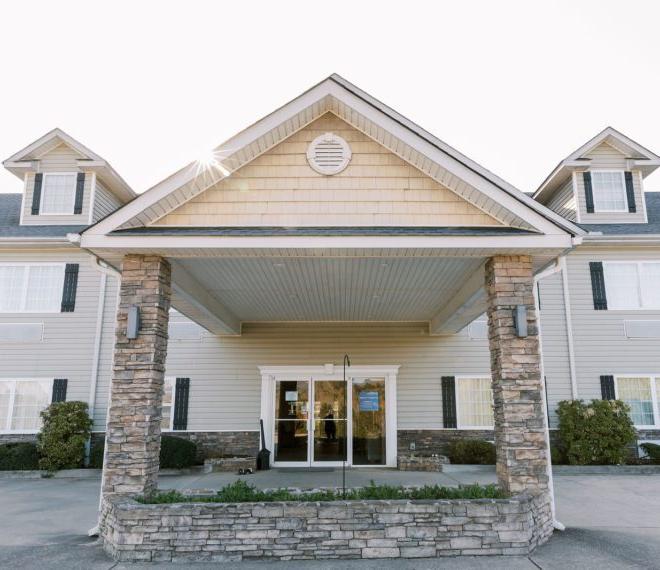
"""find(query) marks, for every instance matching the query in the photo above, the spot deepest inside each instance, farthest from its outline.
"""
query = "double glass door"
(313, 425)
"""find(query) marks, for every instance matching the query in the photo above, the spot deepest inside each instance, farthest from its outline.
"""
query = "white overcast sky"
(515, 85)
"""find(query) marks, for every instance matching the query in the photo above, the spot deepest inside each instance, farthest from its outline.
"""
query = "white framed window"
(609, 191)
(58, 193)
(21, 402)
(31, 287)
(641, 392)
(631, 285)
(474, 402)
(167, 421)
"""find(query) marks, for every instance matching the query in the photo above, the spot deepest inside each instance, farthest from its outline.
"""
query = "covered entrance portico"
(334, 209)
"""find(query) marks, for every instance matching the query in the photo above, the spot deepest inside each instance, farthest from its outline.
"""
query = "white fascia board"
(495, 243)
(463, 307)
(186, 286)
(191, 170)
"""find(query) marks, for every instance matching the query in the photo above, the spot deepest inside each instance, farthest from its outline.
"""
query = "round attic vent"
(328, 154)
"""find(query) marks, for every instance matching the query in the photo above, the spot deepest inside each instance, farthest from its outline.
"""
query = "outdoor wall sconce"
(520, 320)
(133, 327)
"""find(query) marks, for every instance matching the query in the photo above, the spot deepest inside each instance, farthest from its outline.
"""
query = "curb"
(606, 469)
(87, 473)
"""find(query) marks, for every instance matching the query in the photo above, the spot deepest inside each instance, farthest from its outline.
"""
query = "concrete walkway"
(452, 476)
(613, 523)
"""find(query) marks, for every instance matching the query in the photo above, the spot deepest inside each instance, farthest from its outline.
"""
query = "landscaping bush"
(61, 441)
(653, 452)
(472, 451)
(20, 456)
(177, 453)
(595, 433)
(242, 492)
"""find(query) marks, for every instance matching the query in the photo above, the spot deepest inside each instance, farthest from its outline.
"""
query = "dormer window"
(58, 194)
(609, 191)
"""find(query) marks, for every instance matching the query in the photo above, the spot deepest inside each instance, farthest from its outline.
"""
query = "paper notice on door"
(291, 396)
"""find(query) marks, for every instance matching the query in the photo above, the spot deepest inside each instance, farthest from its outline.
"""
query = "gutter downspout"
(550, 271)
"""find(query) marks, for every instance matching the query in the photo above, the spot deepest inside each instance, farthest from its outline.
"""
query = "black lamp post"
(347, 362)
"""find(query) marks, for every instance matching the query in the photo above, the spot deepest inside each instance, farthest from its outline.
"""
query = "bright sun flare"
(209, 160)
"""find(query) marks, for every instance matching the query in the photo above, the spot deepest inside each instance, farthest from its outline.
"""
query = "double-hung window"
(609, 190)
(632, 284)
(31, 288)
(167, 421)
(641, 393)
(21, 402)
(474, 403)
(58, 194)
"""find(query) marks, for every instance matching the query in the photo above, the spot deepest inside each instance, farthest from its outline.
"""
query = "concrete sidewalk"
(613, 522)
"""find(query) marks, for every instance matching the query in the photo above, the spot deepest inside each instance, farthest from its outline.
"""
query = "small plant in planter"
(65, 430)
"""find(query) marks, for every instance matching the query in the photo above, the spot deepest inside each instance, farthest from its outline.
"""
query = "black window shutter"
(607, 387)
(70, 286)
(598, 285)
(630, 192)
(36, 193)
(449, 401)
(181, 392)
(80, 192)
(59, 390)
(588, 192)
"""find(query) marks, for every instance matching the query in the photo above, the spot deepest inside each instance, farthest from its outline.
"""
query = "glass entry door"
(315, 426)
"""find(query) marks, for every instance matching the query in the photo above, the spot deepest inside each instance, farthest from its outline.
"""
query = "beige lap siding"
(60, 159)
(601, 346)
(105, 202)
(561, 198)
(279, 188)
(225, 384)
(68, 340)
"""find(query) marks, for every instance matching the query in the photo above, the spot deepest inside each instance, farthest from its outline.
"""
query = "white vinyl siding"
(21, 402)
(65, 347)
(58, 193)
(563, 201)
(31, 288)
(105, 202)
(641, 394)
(632, 285)
(474, 403)
(609, 191)
(600, 341)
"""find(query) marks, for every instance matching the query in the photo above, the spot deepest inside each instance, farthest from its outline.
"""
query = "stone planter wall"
(229, 464)
(223, 532)
(421, 462)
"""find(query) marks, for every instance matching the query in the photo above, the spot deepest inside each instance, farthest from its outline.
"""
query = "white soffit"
(431, 156)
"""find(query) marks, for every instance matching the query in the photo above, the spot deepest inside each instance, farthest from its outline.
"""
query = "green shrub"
(653, 452)
(472, 451)
(177, 453)
(20, 456)
(595, 433)
(557, 455)
(65, 430)
(242, 492)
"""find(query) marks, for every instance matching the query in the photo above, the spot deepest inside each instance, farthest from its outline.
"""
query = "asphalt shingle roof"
(653, 227)
(10, 212)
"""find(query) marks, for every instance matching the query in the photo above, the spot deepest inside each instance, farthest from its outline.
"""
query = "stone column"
(133, 431)
(522, 453)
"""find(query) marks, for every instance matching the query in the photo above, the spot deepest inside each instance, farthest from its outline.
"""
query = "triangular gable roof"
(642, 158)
(384, 125)
(26, 159)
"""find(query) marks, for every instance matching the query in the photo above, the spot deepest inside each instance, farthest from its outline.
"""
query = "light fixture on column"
(520, 320)
(133, 325)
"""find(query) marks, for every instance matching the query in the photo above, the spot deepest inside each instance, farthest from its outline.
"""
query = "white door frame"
(270, 374)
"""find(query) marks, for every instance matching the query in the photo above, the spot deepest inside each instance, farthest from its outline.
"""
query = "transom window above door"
(58, 193)
(609, 190)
